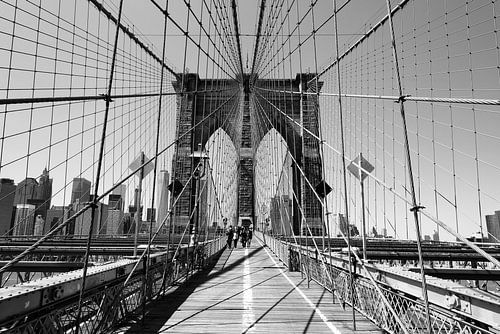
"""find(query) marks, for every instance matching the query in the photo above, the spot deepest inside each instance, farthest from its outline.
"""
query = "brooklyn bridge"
(267, 166)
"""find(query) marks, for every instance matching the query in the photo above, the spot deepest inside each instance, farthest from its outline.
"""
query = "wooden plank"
(248, 292)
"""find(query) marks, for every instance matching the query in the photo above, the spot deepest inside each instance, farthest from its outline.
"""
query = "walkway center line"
(332, 328)
(248, 317)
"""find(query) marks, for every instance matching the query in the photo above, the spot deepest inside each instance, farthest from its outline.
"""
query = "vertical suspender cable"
(325, 217)
(155, 168)
(344, 169)
(99, 166)
(415, 207)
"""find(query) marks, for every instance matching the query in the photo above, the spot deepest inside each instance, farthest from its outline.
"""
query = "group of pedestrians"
(243, 234)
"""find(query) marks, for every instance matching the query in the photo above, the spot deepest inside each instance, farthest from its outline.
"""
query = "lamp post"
(198, 174)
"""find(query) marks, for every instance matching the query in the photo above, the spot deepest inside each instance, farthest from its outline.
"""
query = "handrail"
(401, 287)
(24, 305)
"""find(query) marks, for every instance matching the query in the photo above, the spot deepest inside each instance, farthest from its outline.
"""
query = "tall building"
(82, 222)
(493, 227)
(120, 190)
(55, 216)
(115, 202)
(114, 224)
(39, 225)
(24, 222)
(162, 195)
(44, 193)
(26, 190)
(7, 195)
(80, 190)
(33, 192)
(115, 215)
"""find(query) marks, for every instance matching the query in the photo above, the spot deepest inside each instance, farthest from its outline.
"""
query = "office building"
(83, 222)
(493, 227)
(114, 223)
(44, 193)
(115, 202)
(80, 190)
(26, 190)
(57, 215)
(24, 220)
(162, 195)
(38, 193)
(7, 195)
(39, 225)
(121, 190)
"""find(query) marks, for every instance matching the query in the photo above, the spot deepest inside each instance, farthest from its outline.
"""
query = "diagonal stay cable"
(363, 264)
(99, 198)
(401, 197)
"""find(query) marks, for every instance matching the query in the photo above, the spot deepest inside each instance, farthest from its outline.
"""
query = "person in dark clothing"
(244, 237)
(230, 235)
(249, 237)
(236, 236)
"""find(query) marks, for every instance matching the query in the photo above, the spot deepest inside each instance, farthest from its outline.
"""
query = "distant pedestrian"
(236, 236)
(249, 236)
(244, 237)
(229, 234)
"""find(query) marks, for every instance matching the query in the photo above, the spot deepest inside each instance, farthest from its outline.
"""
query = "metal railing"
(107, 301)
(366, 300)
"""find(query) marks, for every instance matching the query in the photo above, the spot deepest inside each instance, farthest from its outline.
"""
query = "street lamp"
(198, 174)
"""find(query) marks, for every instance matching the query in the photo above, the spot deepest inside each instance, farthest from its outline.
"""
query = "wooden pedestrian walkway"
(249, 291)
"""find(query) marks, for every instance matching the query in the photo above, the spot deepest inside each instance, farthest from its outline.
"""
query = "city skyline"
(25, 208)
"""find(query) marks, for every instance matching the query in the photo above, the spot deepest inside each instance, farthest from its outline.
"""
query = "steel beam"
(462, 273)
(44, 266)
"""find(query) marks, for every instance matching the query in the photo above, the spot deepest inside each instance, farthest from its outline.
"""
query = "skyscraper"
(115, 215)
(115, 202)
(7, 195)
(493, 227)
(44, 193)
(37, 193)
(39, 225)
(121, 190)
(24, 222)
(113, 224)
(82, 222)
(26, 190)
(80, 190)
(162, 195)
(55, 216)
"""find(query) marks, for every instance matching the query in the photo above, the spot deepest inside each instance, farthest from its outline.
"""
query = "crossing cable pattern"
(97, 106)
(363, 80)
(88, 100)
(407, 99)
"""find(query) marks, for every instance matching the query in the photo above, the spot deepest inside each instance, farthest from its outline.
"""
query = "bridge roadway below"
(249, 291)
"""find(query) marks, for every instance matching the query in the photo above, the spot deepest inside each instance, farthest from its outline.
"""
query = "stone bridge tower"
(218, 100)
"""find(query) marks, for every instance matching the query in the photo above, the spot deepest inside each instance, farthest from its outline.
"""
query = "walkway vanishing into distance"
(359, 137)
(249, 291)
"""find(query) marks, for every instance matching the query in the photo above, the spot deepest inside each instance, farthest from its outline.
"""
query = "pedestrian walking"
(244, 238)
(249, 236)
(236, 237)
(230, 235)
